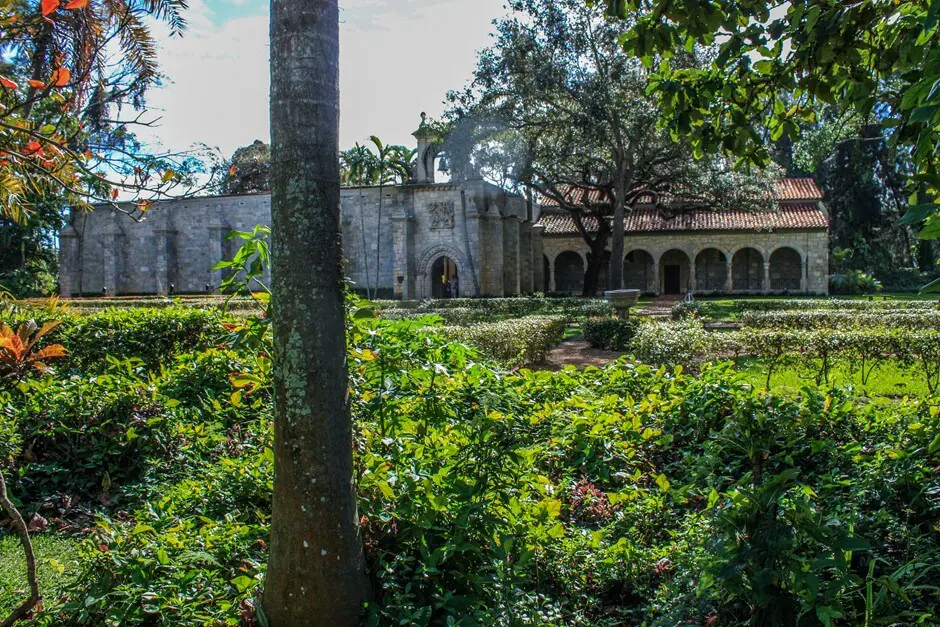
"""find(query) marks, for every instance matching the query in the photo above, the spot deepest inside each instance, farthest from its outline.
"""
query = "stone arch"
(711, 270)
(675, 271)
(426, 263)
(786, 269)
(569, 272)
(638, 266)
(747, 269)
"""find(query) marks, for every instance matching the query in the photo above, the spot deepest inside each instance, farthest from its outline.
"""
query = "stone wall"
(746, 256)
(480, 227)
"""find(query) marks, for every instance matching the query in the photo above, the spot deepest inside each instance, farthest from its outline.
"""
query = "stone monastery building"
(438, 240)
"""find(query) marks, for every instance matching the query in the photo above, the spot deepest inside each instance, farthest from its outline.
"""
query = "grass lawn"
(57, 561)
(890, 380)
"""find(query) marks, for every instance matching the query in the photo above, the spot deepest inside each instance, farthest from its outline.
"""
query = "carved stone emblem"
(442, 214)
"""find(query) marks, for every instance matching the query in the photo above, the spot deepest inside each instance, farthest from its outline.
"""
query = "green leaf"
(918, 213)
(243, 583)
(663, 483)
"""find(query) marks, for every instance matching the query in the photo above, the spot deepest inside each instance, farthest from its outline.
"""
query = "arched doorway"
(674, 272)
(786, 270)
(569, 273)
(638, 271)
(747, 270)
(444, 280)
(711, 271)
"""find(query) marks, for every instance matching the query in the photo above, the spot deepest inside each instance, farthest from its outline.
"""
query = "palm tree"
(360, 168)
(316, 569)
(384, 173)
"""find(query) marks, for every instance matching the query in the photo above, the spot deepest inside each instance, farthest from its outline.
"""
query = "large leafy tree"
(73, 77)
(556, 103)
(249, 170)
(777, 62)
(316, 572)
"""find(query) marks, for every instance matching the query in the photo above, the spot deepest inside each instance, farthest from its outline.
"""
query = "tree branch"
(23, 532)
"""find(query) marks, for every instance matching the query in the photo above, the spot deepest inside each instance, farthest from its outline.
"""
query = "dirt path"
(578, 353)
(660, 307)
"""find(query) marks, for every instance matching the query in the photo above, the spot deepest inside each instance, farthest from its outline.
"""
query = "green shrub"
(36, 279)
(610, 333)
(686, 309)
(154, 336)
(671, 343)
(88, 437)
(854, 282)
(513, 342)
(829, 318)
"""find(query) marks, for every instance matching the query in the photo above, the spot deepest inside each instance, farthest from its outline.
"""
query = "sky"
(398, 58)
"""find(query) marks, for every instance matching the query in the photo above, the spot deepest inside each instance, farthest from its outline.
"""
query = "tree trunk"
(316, 573)
(595, 261)
(615, 272)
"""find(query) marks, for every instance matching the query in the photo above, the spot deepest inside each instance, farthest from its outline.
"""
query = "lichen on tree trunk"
(316, 573)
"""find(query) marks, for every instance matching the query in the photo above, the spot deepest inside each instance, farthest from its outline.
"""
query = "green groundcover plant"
(626, 495)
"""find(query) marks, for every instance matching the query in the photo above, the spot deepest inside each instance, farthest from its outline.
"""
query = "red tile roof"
(787, 190)
(797, 209)
(798, 189)
(805, 216)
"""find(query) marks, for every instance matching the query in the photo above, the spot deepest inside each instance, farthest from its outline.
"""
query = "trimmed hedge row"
(507, 307)
(513, 342)
(154, 336)
(832, 304)
(865, 349)
(833, 318)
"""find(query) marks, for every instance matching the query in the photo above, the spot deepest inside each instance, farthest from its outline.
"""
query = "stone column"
(215, 253)
(538, 258)
(510, 256)
(404, 256)
(473, 284)
(526, 272)
(766, 277)
(162, 272)
(551, 275)
(492, 270)
(804, 274)
(656, 287)
(693, 287)
(113, 254)
(68, 261)
(729, 278)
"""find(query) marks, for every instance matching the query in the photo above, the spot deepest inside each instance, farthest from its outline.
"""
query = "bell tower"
(428, 147)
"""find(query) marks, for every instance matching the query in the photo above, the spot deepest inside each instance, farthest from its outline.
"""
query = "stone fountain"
(622, 300)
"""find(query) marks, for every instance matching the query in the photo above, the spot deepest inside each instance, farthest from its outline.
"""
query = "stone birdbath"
(622, 300)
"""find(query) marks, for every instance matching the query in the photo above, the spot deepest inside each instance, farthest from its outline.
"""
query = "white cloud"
(398, 58)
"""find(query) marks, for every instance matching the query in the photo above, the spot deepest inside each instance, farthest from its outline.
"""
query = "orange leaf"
(33, 148)
(232, 170)
(114, 193)
(61, 77)
(8, 83)
(49, 6)
(36, 84)
(74, 5)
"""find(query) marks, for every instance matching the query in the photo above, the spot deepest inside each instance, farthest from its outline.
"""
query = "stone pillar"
(68, 261)
(526, 272)
(538, 258)
(162, 264)
(404, 257)
(215, 253)
(113, 254)
(510, 256)
(804, 275)
(656, 287)
(692, 286)
(729, 277)
(473, 284)
(551, 275)
(766, 289)
(493, 284)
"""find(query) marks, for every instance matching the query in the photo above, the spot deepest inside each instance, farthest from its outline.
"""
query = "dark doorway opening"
(672, 279)
(444, 283)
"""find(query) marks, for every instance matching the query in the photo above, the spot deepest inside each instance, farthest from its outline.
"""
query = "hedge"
(832, 304)
(610, 333)
(519, 342)
(154, 336)
(832, 318)
(507, 307)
